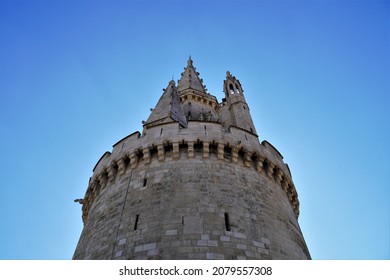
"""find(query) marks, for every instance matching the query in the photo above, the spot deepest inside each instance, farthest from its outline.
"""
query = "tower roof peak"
(190, 79)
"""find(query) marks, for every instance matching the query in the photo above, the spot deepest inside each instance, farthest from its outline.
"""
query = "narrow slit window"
(227, 222)
(145, 182)
(136, 222)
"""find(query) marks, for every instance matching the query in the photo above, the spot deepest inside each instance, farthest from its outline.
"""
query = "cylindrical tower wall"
(195, 193)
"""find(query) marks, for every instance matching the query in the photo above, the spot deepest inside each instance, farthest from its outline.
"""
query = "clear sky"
(76, 77)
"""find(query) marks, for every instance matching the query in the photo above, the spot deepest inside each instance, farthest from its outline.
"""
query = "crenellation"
(248, 159)
(190, 149)
(103, 179)
(146, 155)
(278, 175)
(112, 170)
(122, 165)
(224, 150)
(176, 151)
(220, 151)
(133, 160)
(206, 151)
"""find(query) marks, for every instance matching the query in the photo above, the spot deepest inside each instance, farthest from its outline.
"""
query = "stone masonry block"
(118, 254)
(138, 248)
(258, 244)
(214, 256)
(212, 243)
(205, 237)
(122, 241)
(202, 242)
(149, 246)
(153, 252)
(224, 238)
(171, 232)
(239, 235)
(193, 225)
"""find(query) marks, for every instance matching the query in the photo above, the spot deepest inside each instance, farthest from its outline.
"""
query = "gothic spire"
(190, 79)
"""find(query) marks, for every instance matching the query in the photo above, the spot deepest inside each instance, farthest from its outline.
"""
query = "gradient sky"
(76, 77)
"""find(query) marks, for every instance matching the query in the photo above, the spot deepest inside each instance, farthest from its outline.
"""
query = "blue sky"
(76, 77)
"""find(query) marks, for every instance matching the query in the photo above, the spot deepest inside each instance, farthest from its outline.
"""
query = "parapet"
(207, 140)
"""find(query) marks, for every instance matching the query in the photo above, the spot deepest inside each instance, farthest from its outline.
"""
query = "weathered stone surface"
(209, 190)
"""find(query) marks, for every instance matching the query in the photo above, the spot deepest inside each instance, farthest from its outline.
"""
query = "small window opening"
(231, 88)
(246, 138)
(145, 182)
(251, 129)
(136, 222)
(244, 107)
(161, 131)
(227, 222)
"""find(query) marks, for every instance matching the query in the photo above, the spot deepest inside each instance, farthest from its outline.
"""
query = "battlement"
(201, 139)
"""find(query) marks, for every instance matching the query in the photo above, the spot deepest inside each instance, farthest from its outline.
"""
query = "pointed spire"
(168, 108)
(190, 79)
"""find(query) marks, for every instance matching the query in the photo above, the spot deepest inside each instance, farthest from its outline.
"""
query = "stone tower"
(196, 184)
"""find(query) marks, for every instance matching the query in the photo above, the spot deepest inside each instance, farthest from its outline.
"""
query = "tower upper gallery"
(196, 104)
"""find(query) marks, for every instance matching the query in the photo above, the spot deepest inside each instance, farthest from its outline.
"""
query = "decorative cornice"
(225, 151)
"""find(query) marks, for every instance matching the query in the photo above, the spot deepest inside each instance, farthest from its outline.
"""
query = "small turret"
(238, 108)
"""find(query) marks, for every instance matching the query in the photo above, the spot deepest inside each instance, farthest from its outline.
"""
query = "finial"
(189, 62)
(172, 81)
(228, 75)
